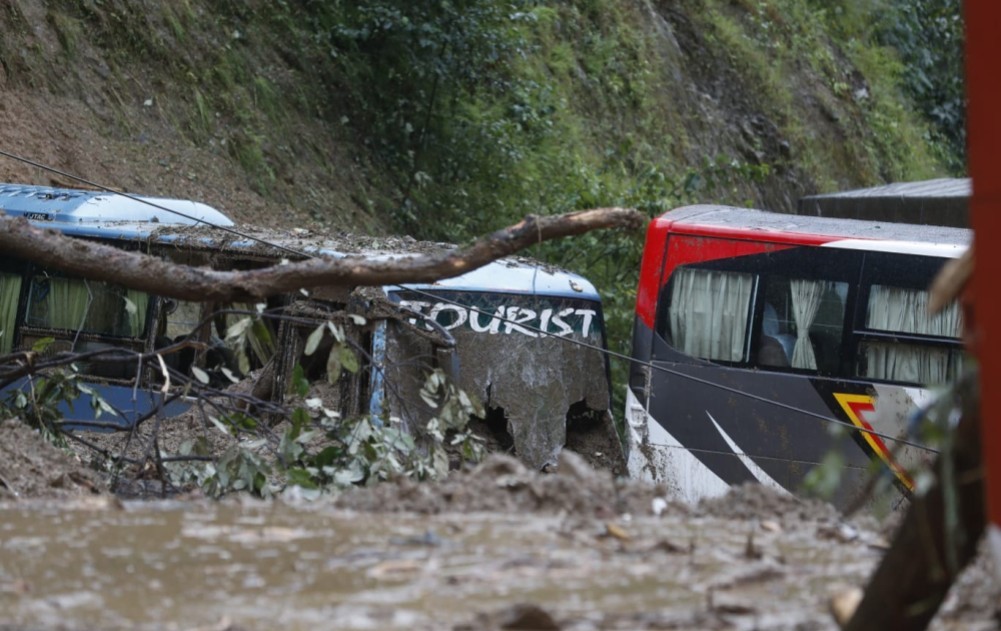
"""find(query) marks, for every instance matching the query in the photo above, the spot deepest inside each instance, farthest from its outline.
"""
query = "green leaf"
(337, 331)
(300, 477)
(300, 385)
(238, 328)
(300, 419)
(328, 456)
(219, 425)
(313, 342)
(334, 364)
(200, 375)
(349, 359)
(229, 374)
(41, 345)
(355, 472)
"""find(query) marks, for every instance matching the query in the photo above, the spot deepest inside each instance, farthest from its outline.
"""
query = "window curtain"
(67, 303)
(907, 362)
(137, 320)
(708, 313)
(10, 291)
(806, 298)
(906, 311)
(903, 310)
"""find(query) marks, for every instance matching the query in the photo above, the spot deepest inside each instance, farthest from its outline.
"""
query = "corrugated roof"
(943, 202)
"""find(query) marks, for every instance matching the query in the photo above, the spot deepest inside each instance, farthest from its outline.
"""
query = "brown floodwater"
(100, 564)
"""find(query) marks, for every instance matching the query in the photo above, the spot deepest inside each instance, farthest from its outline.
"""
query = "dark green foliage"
(412, 69)
(929, 36)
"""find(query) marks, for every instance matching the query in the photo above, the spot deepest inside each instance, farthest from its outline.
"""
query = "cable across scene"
(499, 316)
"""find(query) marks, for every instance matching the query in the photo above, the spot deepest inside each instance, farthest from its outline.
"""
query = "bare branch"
(138, 271)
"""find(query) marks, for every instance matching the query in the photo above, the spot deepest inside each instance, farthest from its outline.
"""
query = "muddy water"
(102, 564)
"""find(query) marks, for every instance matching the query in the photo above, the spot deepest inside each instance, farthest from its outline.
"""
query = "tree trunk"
(938, 537)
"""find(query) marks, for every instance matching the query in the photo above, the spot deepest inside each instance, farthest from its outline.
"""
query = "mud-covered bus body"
(758, 335)
(525, 338)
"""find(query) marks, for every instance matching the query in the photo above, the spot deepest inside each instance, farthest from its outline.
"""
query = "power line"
(602, 349)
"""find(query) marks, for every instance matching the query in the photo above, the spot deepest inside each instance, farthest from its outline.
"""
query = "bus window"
(10, 291)
(91, 306)
(900, 310)
(182, 318)
(777, 327)
(709, 313)
(910, 363)
(801, 325)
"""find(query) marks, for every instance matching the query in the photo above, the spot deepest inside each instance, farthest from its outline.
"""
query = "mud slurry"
(491, 547)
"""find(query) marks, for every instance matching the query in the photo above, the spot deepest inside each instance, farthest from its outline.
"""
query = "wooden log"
(134, 270)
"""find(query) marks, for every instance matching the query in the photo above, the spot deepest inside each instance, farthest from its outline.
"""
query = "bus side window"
(801, 324)
(905, 311)
(96, 307)
(708, 313)
(827, 329)
(10, 292)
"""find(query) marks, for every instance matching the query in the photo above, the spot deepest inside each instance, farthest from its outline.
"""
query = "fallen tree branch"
(96, 261)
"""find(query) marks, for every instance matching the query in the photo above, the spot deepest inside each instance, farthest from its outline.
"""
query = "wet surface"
(97, 563)
(477, 550)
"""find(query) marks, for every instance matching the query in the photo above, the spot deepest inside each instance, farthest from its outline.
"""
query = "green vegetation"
(467, 115)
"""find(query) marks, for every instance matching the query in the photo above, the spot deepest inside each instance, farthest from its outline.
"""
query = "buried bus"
(756, 334)
(527, 340)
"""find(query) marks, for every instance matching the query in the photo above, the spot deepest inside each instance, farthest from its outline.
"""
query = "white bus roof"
(509, 275)
(748, 223)
(82, 212)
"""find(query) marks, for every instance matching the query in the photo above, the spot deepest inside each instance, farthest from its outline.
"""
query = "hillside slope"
(269, 111)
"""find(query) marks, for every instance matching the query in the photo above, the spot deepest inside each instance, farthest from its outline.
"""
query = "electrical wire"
(437, 296)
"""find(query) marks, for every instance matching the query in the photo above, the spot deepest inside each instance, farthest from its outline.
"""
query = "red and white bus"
(756, 333)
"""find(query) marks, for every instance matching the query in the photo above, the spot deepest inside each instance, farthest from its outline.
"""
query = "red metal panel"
(983, 85)
(697, 243)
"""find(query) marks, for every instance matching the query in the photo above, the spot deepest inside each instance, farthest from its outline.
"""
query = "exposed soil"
(32, 468)
(57, 132)
(735, 550)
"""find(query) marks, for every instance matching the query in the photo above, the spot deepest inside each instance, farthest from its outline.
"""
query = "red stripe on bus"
(699, 244)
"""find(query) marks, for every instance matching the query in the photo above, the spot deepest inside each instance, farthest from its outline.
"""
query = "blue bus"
(527, 340)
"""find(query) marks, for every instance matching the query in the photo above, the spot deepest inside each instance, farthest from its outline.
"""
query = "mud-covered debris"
(31, 467)
(502, 483)
(520, 617)
(754, 501)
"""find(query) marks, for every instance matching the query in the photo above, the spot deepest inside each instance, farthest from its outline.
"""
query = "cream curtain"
(67, 303)
(806, 297)
(907, 362)
(708, 313)
(906, 311)
(137, 321)
(901, 310)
